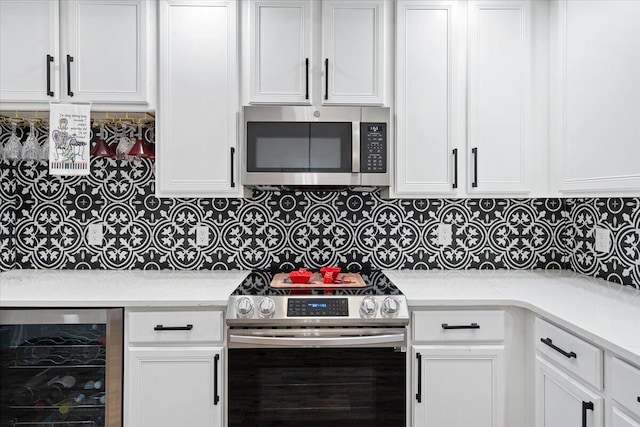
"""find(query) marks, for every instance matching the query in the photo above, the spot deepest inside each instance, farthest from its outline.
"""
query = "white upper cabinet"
(98, 51)
(198, 99)
(595, 94)
(29, 46)
(106, 58)
(304, 52)
(280, 49)
(499, 133)
(352, 51)
(427, 104)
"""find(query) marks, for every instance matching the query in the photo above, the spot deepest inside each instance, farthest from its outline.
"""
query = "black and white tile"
(45, 220)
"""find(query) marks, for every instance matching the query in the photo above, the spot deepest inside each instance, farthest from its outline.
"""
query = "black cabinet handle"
(419, 393)
(548, 342)
(326, 80)
(233, 153)
(455, 168)
(471, 326)
(306, 81)
(49, 61)
(69, 61)
(586, 406)
(638, 399)
(474, 151)
(173, 328)
(216, 397)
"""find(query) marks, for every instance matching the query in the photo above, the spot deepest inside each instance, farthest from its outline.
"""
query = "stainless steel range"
(323, 356)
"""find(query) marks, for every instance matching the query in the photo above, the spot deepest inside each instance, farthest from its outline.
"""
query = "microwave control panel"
(373, 147)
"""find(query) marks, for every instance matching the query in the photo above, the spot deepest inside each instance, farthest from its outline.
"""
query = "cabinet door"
(619, 419)
(426, 93)
(595, 96)
(448, 378)
(106, 47)
(499, 141)
(29, 50)
(168, 387)
(562, 402)
(353, 51)
(280, 51)
(198, 98)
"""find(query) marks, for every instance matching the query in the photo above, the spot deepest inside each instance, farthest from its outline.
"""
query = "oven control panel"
(312, 307)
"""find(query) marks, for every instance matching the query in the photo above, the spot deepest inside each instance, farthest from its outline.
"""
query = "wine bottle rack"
(48, 353)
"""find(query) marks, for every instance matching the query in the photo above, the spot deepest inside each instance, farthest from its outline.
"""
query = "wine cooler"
(61, 367)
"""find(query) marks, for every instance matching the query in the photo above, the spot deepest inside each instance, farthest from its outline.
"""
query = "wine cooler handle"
(586, 406)
(216, 396)
(69, 61)
(455, 168)
(306, 81)
(326, 80)
(474, 152)
(446, 326)
(173, 328)
(419, 393)
(548, 342)
(49, 61)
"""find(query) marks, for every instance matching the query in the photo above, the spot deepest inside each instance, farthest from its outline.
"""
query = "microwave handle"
(355, 147)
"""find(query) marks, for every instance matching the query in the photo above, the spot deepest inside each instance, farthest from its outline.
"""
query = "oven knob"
(368, 306)
(390, 307)
(244, 307)
(266, 307)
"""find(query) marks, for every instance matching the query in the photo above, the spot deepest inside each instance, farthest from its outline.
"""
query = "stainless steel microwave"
(323, 146)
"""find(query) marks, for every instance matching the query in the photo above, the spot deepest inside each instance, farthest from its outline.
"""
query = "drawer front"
(175, 326)
(621, 420)
(570, 352)
(462, 325)
(625, 385)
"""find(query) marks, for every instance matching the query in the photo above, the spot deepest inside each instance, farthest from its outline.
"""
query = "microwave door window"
(330, 147)
(277, 147)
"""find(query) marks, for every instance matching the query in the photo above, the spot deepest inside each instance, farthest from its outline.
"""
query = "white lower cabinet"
(459, 386)
(562, 401)
(174, 387)
(174, 364)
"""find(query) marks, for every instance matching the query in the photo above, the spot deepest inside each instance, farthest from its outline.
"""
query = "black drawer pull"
(419, 393)
(548, 342)
(49, 61)
(216, 396)
(638, 399)
(69, 61)
(471, 326)
(173, 328)
(455, 168)
(586, 406)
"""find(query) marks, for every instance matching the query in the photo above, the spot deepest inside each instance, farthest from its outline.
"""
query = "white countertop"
(116, 288)
(604, 312)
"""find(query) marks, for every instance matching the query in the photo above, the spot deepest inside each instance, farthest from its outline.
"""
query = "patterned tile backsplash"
(45, 219)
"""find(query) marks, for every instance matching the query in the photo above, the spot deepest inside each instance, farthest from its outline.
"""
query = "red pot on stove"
(333, 270)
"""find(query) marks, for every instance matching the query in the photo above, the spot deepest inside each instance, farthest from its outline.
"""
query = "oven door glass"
(299, 147)
(317, 387)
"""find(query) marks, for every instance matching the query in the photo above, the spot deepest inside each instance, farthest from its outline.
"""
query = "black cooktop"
(258, 283)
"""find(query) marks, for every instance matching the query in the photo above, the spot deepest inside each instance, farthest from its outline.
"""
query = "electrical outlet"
(202, 235)
(95, 234)
(445, 234)
(603, 240)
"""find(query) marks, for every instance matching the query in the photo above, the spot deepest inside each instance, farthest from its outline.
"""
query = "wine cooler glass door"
(54, 370)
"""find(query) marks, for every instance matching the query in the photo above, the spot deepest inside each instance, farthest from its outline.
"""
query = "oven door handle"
(279, 341)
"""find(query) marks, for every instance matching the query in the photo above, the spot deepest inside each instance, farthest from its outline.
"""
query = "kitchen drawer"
(458, 325)
(625, 385)
(174, 326)
(570, 352)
